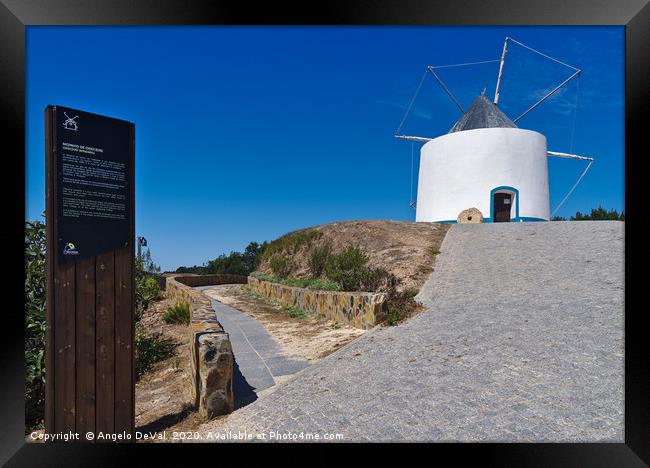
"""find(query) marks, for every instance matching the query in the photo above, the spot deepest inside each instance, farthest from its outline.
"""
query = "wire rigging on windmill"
(486, 162)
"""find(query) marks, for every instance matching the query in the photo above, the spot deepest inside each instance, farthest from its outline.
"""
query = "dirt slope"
(406, 249)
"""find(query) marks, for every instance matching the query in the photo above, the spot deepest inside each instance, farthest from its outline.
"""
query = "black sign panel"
(93, 183)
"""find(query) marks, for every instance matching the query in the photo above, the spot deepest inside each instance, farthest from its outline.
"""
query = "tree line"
(235, 263)
(597, 214)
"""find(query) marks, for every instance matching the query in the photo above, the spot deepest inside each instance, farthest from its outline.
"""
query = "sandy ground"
(310, 338)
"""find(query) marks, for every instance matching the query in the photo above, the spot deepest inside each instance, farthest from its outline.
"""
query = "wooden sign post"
(90, 216)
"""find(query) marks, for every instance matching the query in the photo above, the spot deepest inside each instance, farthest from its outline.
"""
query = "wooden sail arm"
(413, 138)
(568, 156)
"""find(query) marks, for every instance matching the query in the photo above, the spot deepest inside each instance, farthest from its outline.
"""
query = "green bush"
(346, 271)
(401, 304)
(322, 284)
(34, 323)
(348, 268)
(318, 259)
(280, 265)
(310, 283)
(149, 349)
(296, 312)
(265, 277)
(179, 313)
(147, 289)
(375, 279)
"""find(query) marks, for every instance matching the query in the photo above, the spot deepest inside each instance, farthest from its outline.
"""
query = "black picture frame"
(15, 15)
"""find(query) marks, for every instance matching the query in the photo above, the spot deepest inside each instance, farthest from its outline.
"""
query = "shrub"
(147, 288)
(323, 284)
(296, 312)
(310, 283)
(280, 265)
(147, 291)
(34, 323)
(348, 268)
(318, 259)
(401, 304)
(375, 279)
(179, 313)
(263, 276)
(150, 349)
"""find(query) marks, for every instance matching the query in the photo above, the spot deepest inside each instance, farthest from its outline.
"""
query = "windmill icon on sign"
(70, 123)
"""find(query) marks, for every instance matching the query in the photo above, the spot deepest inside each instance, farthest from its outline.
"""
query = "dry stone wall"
(359, 309)
(210, 348)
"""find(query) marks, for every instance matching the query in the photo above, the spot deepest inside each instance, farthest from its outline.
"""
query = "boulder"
(213, 387)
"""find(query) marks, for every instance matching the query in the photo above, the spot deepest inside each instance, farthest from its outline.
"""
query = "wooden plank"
(105, 342)
(123, 340)
(125, 316)
(50, 216)
(64, 331)
(85, 348)
(62, 309)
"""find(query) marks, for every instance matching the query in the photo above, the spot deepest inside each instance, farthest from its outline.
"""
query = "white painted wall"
(458, 171)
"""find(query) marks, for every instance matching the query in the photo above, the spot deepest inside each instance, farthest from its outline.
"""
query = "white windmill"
(486, 162)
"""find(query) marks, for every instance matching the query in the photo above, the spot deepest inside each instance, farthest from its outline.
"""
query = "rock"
(214, 377)
(211, 355)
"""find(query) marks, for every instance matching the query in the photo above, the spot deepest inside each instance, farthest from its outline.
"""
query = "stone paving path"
(259, 358)
(522, 341)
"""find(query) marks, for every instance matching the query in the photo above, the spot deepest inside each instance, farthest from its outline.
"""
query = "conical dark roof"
(482, 114)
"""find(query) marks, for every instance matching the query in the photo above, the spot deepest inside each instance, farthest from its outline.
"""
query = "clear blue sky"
(245, 133)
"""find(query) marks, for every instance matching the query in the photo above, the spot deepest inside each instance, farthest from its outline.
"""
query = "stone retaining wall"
(210, 349)
(359, 309)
